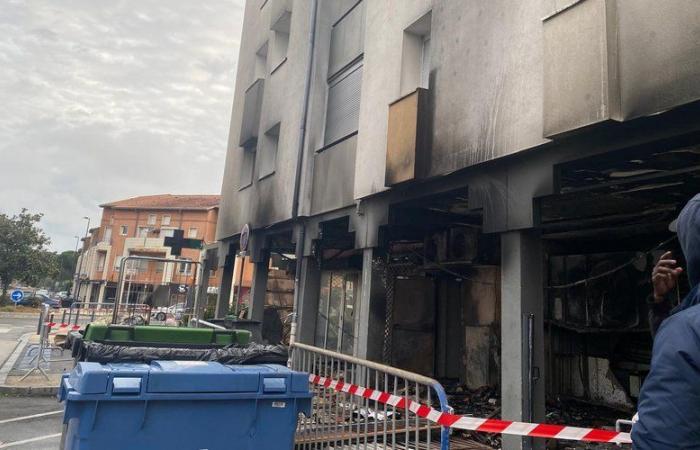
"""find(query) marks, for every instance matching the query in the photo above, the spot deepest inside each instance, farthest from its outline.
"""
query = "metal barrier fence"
(79, 314)
(340, 420)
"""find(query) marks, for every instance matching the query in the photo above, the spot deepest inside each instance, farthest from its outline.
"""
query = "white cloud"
(107, 100)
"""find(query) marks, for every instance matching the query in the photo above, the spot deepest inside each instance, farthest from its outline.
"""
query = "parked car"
(42, 292)
(63, 294)
(66, 301)
(163, 312)
(39, 299)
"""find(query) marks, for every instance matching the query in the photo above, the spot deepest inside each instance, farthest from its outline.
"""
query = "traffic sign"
(17, 296)
(245, 238)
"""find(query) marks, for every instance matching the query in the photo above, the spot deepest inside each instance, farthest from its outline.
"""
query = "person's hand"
(665, 275)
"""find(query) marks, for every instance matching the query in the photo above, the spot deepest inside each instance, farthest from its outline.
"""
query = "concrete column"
(202, 287)
(222, 300)
(258, 290)
(309, 289)
(522, 294)
(101, 295)
(88, 291)
(363, 313)
(371, 314)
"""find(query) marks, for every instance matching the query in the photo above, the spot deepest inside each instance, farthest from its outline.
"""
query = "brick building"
(137, 227)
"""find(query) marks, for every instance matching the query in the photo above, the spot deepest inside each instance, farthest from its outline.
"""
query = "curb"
(29, 391)
(10, 315)
(9, 363)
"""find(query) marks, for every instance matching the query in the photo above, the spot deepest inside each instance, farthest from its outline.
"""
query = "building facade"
(472, 190)
(138, 227)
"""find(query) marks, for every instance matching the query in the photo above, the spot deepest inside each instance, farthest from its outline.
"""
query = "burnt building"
(473, 190)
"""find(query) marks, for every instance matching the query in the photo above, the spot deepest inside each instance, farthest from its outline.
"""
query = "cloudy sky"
(109, 99)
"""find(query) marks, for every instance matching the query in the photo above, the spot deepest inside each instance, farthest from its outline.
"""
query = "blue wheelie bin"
(182, 405)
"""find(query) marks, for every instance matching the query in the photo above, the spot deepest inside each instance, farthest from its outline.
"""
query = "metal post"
(240, 255)
(82, 258)
(530, 366)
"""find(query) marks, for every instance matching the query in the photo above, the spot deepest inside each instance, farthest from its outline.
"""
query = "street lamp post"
(82, 258)
(77, 273)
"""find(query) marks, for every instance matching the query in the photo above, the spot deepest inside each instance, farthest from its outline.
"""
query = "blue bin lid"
(93, 378)
(199, 376)
(172, 377)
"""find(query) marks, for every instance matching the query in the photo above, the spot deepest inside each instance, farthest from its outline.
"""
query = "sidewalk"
(23, 359)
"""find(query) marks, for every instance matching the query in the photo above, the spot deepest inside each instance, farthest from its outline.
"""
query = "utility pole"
(74, 288)
(82, 258)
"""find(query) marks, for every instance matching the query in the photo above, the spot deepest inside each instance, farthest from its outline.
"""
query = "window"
(335, 323)
(345, 74)
(247, 168)
(167, 232)
(143, 231)
(185, 268)
(281, 20)
(107, 237)
(261, 61)
(101, 257)
(279, 49)
(343, 104)
(252, 106)
(192, 234)
(415, 58)
(152, 219)
(267, 155)
(124, 230)
(140, 265)
(165, 220)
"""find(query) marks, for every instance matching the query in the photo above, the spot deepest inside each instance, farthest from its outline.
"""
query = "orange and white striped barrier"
(61, 328)
(445, 419)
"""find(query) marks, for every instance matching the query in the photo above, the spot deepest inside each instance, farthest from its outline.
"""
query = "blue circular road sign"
(17, 296)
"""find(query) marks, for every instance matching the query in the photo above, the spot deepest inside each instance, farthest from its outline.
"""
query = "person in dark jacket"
(669, 403)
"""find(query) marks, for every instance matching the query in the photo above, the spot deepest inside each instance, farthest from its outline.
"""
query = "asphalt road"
(33, 426)
(34, 430)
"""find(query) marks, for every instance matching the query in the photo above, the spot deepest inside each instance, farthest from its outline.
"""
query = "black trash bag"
(108, 353)
(250, 354)
(232, 354)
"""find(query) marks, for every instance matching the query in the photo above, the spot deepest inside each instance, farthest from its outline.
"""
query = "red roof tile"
(166, 201)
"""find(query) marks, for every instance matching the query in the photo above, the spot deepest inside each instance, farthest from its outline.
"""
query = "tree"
(62, 280)
(23, 253)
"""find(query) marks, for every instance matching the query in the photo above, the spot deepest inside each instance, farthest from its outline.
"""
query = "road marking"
(29, 441)
(5, 329)
(33, 416)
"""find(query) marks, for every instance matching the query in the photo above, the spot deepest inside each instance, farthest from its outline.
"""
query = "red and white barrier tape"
(473, 423)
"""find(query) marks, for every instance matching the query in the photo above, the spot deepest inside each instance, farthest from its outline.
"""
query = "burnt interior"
(604, 229)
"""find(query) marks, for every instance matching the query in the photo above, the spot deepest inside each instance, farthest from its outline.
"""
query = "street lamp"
(82, 257)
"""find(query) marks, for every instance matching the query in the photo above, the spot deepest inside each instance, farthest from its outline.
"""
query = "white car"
(163, 312)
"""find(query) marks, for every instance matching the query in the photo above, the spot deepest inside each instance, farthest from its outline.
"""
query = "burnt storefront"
(604, 229)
